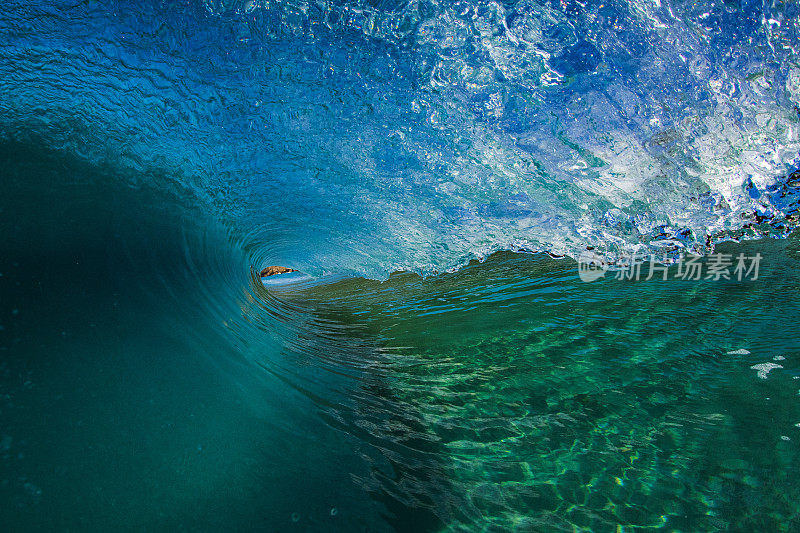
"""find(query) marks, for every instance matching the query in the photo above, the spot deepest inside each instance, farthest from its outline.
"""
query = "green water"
(149, 381)
(558, 404)
(130, 399)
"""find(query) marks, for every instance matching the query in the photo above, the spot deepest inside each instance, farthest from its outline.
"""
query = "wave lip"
(416, 135)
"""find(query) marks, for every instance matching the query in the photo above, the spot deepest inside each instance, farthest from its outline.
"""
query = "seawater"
(149, 380)
(434, 367)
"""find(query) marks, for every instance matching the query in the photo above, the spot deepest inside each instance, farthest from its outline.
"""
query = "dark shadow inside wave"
(145, 380)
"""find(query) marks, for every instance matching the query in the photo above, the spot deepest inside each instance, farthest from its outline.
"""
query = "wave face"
(367, 137)
(557, 405)
(148, 383)
(153, 157)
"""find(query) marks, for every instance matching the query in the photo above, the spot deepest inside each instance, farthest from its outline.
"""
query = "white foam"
(765, 368)
(740, 351)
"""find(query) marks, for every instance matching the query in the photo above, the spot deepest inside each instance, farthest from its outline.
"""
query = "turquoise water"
(131, 397)
(558, 404)
(434, 170)
(149, 381)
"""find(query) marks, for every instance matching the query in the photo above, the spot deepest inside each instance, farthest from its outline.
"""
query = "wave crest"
(371, 137)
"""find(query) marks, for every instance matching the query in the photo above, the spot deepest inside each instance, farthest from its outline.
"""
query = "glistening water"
(435, 366)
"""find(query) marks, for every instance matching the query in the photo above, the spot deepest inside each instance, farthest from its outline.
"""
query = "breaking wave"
(367, 137)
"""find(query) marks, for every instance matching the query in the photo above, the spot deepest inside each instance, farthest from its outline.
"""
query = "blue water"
(417, 374)
(368, 138)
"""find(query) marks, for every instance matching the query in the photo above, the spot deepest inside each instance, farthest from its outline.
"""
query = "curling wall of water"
(147, 379)
(368, 137)
(155, 156)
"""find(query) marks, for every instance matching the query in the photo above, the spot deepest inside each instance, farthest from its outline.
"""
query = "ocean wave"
(367, 138)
